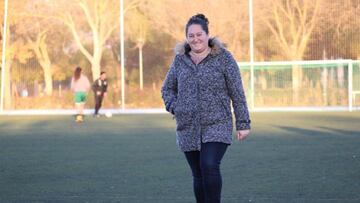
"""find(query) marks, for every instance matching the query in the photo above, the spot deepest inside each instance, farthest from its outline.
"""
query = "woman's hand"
(242, 134)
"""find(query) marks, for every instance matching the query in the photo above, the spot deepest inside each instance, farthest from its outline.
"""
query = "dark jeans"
(205, 167)
(98, 101)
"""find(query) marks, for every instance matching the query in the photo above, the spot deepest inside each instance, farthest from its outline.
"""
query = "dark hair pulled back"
(198, 19)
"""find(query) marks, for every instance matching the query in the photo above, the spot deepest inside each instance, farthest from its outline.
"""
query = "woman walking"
(198, 90)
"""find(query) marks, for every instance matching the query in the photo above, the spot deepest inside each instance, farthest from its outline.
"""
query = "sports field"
(290, 157)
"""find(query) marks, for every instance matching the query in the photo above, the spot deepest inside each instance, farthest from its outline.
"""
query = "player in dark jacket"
(100, 90)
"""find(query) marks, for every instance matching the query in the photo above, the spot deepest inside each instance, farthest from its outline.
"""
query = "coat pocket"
(183, 117)
(226, 106)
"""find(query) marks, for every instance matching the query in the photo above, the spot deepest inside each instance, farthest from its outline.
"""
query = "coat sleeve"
(169, 89)
(236, 92)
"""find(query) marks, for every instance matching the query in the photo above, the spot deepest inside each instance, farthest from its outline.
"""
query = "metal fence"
(303, 85)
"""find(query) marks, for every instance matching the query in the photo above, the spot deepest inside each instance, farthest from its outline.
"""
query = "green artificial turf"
(289, 157)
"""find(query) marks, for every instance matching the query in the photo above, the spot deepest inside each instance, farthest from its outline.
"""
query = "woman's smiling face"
(197, 38)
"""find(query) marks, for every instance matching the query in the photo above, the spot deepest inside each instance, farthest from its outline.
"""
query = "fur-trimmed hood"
(214, 43)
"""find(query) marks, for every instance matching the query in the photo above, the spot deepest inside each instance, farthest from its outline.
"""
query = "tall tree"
(16, 49)
(37, 24)
(228, 20)
(40, 48)
(138, 29)
(292, 23)
(91, 22)
(338, 33)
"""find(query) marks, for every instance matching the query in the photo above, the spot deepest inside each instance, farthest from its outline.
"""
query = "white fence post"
(122, 54)
(252, 79)
(3, 63)
(350, 85)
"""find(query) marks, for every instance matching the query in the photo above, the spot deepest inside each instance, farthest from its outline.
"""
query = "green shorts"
(80, 97)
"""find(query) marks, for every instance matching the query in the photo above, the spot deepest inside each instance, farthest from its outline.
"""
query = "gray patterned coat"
(199, 96)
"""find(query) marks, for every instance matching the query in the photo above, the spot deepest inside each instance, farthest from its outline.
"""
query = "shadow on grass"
(340, 131)
(328, 131)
